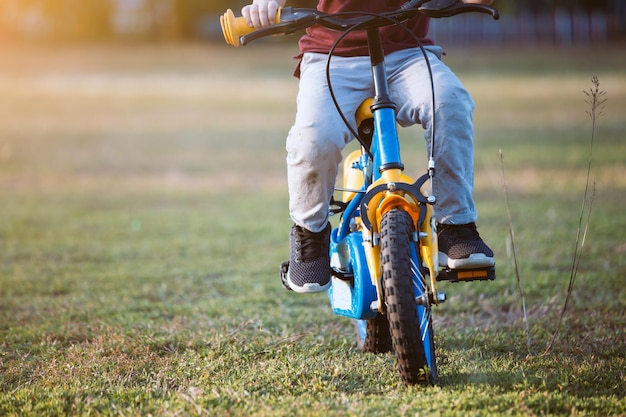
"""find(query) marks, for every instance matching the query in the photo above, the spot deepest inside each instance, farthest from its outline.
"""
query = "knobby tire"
(396, 231)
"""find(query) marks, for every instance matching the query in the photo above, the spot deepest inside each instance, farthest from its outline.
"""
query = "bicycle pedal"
(342, 275)
(467, 275)
(284, 268)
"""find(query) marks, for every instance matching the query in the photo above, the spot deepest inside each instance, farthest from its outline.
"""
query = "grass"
(143, 219)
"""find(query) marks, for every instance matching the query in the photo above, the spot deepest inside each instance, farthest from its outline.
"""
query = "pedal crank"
(342, 275)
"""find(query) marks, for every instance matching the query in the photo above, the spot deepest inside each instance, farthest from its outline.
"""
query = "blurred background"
(558, 21)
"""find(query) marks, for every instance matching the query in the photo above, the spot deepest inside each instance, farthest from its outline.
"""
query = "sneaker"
(309, 260)
(460, 247)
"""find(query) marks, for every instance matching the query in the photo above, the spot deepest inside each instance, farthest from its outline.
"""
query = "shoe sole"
(475, 261)
(307, 288)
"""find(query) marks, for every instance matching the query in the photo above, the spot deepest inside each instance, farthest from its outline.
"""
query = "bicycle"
(384, 250)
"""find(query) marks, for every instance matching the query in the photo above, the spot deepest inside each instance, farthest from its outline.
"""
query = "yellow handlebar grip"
(235, 27)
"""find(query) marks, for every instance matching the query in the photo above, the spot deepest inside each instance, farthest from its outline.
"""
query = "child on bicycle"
(318, 136)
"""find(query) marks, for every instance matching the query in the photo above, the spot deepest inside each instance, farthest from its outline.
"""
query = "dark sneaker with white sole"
(309, 261)
(460, 247)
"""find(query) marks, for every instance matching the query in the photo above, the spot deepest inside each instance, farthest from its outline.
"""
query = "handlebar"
(237, 32)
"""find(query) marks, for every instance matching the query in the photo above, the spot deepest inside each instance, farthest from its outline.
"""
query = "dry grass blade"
(517, 269)
(595, 99)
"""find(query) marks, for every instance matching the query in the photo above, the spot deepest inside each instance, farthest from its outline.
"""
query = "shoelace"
(464, 232)
(311, 245)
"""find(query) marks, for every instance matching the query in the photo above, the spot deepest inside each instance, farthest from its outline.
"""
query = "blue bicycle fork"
(385, 144)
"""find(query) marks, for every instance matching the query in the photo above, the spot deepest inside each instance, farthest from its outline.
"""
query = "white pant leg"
(454, 137)
(318, 136)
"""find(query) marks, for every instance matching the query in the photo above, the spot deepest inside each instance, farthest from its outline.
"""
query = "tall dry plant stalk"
(514, 250)
(595, 99)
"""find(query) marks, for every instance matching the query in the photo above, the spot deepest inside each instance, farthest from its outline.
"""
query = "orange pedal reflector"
(466, 275)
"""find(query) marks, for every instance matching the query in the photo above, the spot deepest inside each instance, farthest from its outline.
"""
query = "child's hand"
(261, 13)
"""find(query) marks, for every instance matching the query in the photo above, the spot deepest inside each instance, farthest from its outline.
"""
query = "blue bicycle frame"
(354, 292)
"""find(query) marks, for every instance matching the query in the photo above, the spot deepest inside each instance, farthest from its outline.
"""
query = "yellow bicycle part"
(430, 249)
(352, 177)
(385, 201)
(235, 27)
(376, 210)
(364, 111)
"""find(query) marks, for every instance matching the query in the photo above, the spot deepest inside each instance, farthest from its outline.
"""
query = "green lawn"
(143, 220)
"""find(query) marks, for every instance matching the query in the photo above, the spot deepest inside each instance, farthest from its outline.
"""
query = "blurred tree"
(222, 5)
(550, 5)
(192, 12)
(78, 19)
(165, 19)
(58, 19)
(183, 19)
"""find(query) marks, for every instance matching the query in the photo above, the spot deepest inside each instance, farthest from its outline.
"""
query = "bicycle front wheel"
(400, 289)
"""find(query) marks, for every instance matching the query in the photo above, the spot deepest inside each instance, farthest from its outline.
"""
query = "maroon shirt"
(320, 39)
